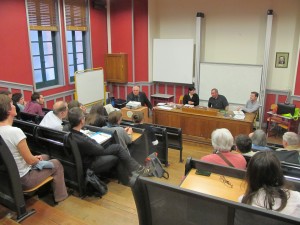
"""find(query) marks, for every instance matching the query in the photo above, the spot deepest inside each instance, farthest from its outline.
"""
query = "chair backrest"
(60, 145)
(139, 149)
(159, 204)
(174, 138)
(180, 100)
(162, 147)
(33, 118)
(11, 194)
(214, 168)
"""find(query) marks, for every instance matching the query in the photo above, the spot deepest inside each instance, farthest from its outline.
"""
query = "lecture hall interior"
(43, 57)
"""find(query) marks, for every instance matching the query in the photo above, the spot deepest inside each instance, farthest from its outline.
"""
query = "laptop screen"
(283, 108)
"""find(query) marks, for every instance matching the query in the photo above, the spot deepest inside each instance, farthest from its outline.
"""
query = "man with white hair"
(53, 119)
(139, 96)
(222, 141)
(291, 148)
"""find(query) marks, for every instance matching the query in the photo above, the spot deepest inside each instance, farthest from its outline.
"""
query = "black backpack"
(155, 165)
(93, 185)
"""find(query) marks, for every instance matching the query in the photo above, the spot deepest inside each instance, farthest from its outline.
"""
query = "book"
(240, 112)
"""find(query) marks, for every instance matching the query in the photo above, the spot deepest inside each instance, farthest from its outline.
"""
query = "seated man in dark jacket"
(139, 96)
(94, 156)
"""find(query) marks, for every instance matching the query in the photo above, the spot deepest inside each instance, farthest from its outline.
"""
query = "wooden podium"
(127, 113)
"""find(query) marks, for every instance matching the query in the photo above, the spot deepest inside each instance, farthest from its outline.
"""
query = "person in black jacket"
(191, 98)
(139, 96)
(97, 158)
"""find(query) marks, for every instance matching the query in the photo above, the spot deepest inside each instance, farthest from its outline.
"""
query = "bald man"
(139, 96)
(53, 119)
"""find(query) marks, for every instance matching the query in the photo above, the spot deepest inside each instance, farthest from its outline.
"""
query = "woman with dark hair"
(96, 117)
(19, 101)
(191, 98)
(267, 188)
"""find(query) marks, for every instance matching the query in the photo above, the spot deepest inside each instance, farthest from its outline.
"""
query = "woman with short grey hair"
(259, 140)
(222, 141)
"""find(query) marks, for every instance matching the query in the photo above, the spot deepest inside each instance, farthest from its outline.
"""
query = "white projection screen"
(89, 86)
(234, 81)
(173, 60)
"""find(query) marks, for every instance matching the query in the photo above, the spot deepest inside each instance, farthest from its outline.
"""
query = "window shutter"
(42, 15)
(75, 11)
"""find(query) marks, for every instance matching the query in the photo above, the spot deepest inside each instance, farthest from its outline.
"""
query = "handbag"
(93, 184)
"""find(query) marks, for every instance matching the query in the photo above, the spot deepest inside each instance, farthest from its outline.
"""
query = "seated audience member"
(35, 105)
(243, 143)
(124, 134)
(138, 119)
(291, 146)
(18, 100)
(6, 92)
(94, 156)
(16, 142)
(252, 104)
(266, 186)
(53, 119)
(75, 103)
(222, 141)
(9, 94)
(191, 98)
(139, 96)
(96, 117)
(290, 141)
(259, 140)
(217, 101)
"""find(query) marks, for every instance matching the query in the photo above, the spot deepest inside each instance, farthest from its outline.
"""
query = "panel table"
(197, 124)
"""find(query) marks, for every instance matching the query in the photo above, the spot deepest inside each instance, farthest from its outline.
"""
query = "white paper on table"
(164, 107)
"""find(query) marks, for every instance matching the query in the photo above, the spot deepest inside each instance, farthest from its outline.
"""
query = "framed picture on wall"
(282, 59)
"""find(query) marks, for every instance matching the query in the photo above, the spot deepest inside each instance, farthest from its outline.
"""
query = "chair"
(11, 193)
(159, 204)
(180, 100)
(48, 179)
(162, 147)
(139, 149)
(31, 117)
(60, 145)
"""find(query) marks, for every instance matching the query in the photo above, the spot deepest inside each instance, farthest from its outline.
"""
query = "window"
(44, 60)
(77, 35)
(44, 34)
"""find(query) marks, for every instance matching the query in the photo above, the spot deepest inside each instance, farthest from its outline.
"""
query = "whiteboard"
(173, 60)
(89, 86)
(234, 81)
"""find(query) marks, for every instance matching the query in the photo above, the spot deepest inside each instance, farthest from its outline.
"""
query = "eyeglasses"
(225, 181)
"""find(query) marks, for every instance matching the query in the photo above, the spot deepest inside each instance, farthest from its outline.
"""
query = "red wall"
(15, 55)
(99, 36)
(141, 40)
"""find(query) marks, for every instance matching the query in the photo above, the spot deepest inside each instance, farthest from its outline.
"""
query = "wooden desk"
(156, 98)
(127, 113)
(289, 123)
(213, 185)
(135, 136)
(198, 126)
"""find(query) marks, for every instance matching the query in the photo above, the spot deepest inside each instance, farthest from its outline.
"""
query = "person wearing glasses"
(222, 142)
(267, 188)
